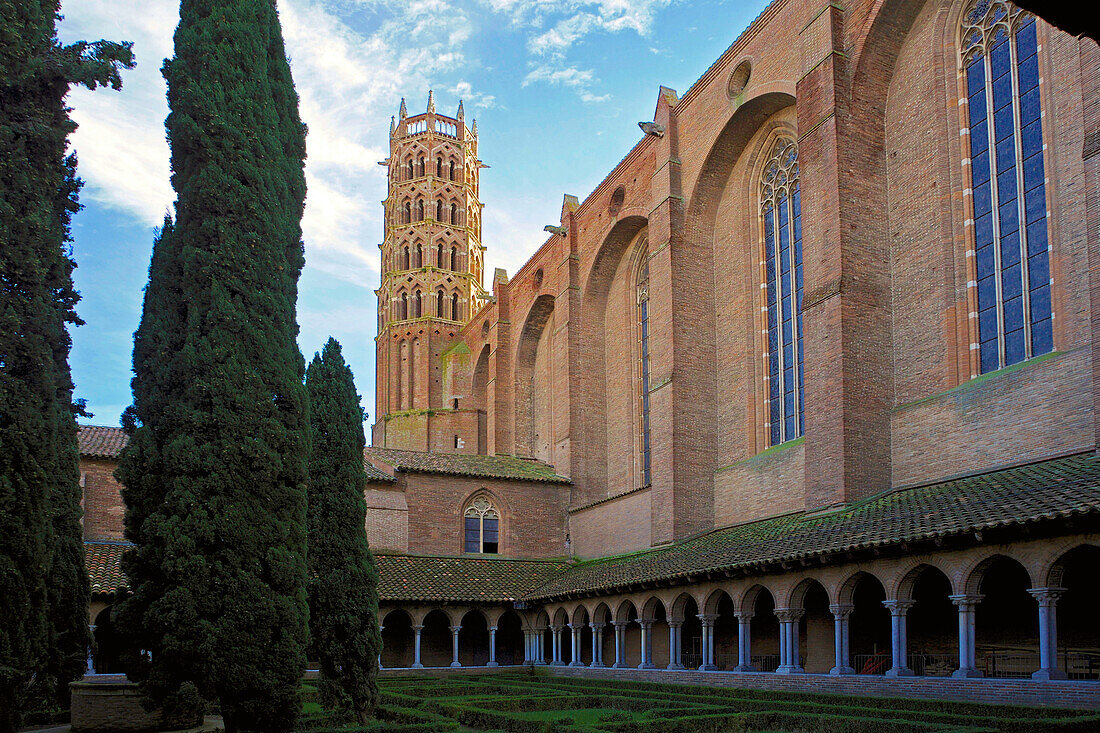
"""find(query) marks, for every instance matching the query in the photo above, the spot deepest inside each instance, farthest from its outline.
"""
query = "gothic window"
(405, 260)
(419, 255)
(417, 303)
(410, 166)
(420, 165)
(455, 315)
(439, 303)
(454, 214)
(481, 527)
(454, 258)
(419, 210)
(403, 310)
(439, 255)
(781, 214)
(439, 167)
(407, 218)
(643, 336)
(452, 170)
(439, 210)
(1012, 254)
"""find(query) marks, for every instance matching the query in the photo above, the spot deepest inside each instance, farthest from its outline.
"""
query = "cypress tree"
(43, 584)
(215, 474)
(343, 585)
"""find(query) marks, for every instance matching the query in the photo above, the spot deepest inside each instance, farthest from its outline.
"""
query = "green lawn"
(525, 703)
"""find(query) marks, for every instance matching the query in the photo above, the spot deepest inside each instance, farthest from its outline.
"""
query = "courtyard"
(522, 702)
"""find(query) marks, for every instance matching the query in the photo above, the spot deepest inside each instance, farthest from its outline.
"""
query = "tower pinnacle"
(461, 115)
(404, 112)
(431, 102)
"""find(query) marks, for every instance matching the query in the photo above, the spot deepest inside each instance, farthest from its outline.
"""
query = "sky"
(557, 88)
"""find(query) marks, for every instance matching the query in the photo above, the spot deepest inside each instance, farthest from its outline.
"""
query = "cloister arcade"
(1022, 610)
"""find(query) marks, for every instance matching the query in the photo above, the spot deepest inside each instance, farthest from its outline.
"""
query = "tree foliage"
(215, 476)
(343, 585)
(43, 585)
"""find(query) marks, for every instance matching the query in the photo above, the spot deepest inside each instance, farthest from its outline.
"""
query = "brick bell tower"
(432, 266)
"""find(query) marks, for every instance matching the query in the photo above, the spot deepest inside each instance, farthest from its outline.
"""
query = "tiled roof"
(454, 464)
(104, 563)
(1058, 488)
(462, 579)
(373, 472)
(100, 441)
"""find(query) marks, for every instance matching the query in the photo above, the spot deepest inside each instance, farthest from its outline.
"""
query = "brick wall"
(103, 507)
(387, 518)
(612, 527)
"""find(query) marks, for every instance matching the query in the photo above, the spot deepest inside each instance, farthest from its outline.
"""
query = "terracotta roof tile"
(373, 472)
(454, 464)
(1058, 488)
(104, 563)
(464, 579)
(101, 441)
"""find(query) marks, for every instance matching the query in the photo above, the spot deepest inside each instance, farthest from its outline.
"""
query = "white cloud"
(474, 99)
(571, 77)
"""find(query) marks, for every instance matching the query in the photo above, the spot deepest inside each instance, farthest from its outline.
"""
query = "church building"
(806, 386)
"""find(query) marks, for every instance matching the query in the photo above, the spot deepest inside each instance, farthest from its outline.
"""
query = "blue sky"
(557, 87)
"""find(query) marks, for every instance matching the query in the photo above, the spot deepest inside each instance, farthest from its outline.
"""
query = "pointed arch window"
(781, 222)
(643, 335)
(1011, 248)
(454, 214)
(439, 303)
(419, 255)
(439, 209)
(417, 304)
(403, 311)
(439, 167)
(454, 258)
(420, 165)
(439, 255)
(419, 210)
(407, 214)
(452, 170)
(410, 169)
(405, 259)
(455, 315)
(481, 526)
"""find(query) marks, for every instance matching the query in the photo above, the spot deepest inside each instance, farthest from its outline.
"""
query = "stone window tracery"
(999, 56)
(481, 527)
(781, 221)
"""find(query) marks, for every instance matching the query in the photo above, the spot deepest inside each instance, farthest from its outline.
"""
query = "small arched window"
(439, 304)
(420, 164)
(454, 258)
(439, 256)
(410, 169)
(452, 170)
(439, 210)
(403, 308)
(454, 214)
(1012, 260)
(407, 214)
(455, 315)
(419, 210)
(481, 527)
(439, 167)
(405, 259)
(417, 304)
(419, 255)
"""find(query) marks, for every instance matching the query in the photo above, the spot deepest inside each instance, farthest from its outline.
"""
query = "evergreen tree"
(43, 584)
(215, 474)
(343, 585)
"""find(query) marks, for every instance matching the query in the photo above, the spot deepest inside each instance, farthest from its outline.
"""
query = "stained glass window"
(643, 334)
(481, 527)
(781, 214)
(1011, 251)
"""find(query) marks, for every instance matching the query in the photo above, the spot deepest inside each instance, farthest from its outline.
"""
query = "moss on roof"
(101, 441)
(510, 468)
(462, 579)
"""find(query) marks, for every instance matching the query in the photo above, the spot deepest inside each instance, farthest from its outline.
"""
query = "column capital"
(675, 624)
(841, 610)
(620, 624)
(598, 626)
(576, 627)
(1046, 596)
(966, 601)
(646, 623)
(418, 627)
(556, 628)
(492, 628)
(743, 617)
(789, 615)
(898, 608)
(708, 619)
(456, 629)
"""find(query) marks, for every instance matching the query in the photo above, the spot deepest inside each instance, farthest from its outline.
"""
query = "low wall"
(1084, 695)
(113, 705)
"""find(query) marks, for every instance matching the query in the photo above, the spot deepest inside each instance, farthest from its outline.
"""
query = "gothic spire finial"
(461, 114)
(474, 129)
(431, 102)
(404, 112)
(392, 125)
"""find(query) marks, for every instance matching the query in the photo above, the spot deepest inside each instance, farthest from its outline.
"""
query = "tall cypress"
(43, 584)
(215, 475)
(343, 585)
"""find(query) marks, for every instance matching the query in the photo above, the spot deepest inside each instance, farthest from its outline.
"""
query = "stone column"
(675, 658)
(647, 644)
(597, 645)
(899, 642)
(89, 666)
(967, 663)
(417, 628)
(540, 646)
(842, 663)
(454, 646)
(789, 662)
(555, 645)
(708, 619)
(744, 643)
(1048, 633)
(576, 655)
(492, 647)
(620, 643)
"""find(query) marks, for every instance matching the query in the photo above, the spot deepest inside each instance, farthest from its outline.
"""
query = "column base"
(577, 664)
(418, 665)
(492, 664)
(540, 663)
(1049, 674)
(708, 668)
(557, 664)
(647, 666)
(596, 665)
(899, 672)
(745, 668)
(964, 672)
(675, 666)
(789, 669)
(842, 670)
(456, 664)
(616, 665)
